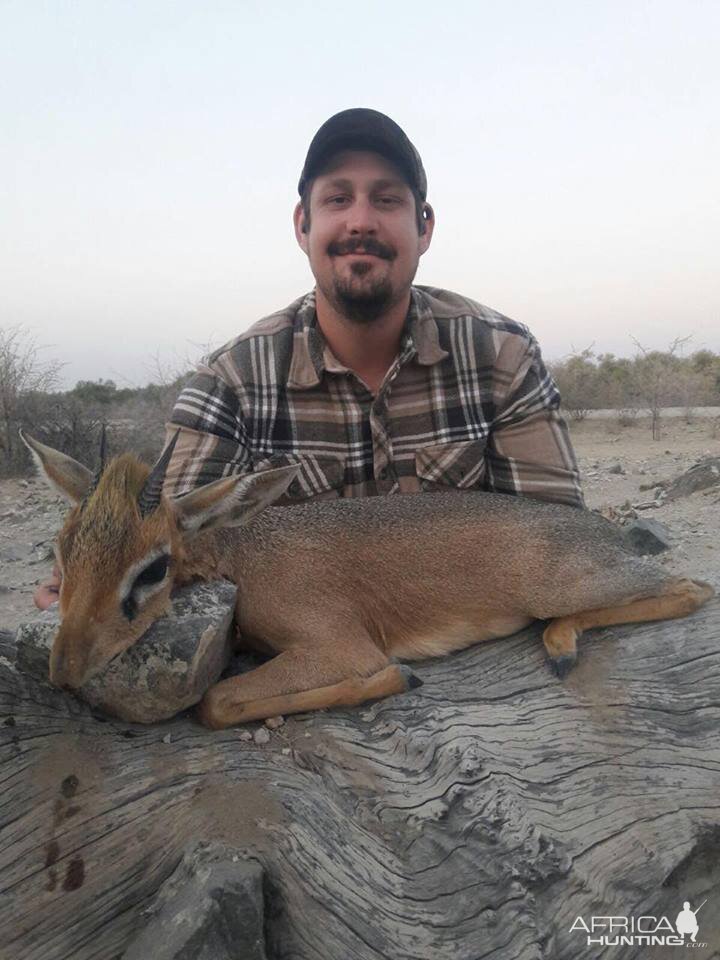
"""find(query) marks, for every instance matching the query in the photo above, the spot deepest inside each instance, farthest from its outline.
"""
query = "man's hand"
(47, 592)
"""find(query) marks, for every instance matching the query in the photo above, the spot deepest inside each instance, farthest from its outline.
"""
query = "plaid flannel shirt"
(467, 404)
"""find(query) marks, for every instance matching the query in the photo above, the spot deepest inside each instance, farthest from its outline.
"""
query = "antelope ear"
(231, 501)
(64, 475)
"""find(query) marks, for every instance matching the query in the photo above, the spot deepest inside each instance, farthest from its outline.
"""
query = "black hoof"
(411, 680)
(561, 666)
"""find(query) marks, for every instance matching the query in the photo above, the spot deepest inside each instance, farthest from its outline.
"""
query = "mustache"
(369, 245)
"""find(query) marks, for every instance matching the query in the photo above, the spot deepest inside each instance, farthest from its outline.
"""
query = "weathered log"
(477, 817)
(211, 908)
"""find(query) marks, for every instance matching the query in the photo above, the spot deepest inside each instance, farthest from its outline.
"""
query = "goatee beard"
(365, 304)
(356, 300)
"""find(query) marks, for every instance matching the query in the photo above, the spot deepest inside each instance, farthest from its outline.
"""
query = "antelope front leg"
(298, 680)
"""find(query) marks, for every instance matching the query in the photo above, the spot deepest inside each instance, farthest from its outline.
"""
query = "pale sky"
(150, 153)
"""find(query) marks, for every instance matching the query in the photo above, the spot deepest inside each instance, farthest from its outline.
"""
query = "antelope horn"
(149, 498)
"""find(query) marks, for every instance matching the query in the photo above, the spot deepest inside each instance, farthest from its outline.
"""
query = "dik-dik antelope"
(335, 588)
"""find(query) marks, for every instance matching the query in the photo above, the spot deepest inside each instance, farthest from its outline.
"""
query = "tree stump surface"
(476, 817)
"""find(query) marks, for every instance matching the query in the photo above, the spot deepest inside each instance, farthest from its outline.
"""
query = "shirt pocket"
(460, 466)
(318, 478)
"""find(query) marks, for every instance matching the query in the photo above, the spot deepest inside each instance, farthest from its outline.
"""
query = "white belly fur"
(457, 636)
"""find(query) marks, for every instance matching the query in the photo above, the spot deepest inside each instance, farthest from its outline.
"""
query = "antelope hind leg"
(302, 679)
(680, 597)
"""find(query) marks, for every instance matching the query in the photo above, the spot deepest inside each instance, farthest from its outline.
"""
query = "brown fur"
(335, 588)
(99, 540)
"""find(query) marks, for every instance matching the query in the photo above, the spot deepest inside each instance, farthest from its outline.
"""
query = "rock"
(646, 505)
(274, 722)
(43, 552)
(12, 553)
(700, 476)
(245, 735)
(647, 536)
(33, 642)
(166, 671)
(261, 736)
(210, 908)
(621, 514)
(616, 468)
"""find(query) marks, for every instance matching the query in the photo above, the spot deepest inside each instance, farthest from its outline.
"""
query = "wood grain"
(477, 817)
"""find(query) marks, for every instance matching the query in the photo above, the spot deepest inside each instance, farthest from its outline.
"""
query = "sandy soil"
(30, 516)
(693, 522)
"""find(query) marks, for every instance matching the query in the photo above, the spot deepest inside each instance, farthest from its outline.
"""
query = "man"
(371, 384)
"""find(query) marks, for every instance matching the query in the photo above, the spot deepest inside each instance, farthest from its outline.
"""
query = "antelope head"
(123, 545)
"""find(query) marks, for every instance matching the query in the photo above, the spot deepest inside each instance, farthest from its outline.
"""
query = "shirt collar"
(312, 356)
(306, 364)
(423, 329)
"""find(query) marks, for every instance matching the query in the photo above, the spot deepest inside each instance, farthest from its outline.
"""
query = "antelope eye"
(154, 572)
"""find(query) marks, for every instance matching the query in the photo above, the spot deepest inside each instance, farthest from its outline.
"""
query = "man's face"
(363, 242)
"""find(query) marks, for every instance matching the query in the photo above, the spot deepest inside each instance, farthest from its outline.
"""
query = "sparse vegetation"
(647, 383)
(72, 420)
(23, 373)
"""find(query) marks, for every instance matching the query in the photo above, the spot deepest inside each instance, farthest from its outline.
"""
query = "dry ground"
(694, 521)
(30, 516)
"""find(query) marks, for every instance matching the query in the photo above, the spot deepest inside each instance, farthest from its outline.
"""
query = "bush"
(651, 380)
